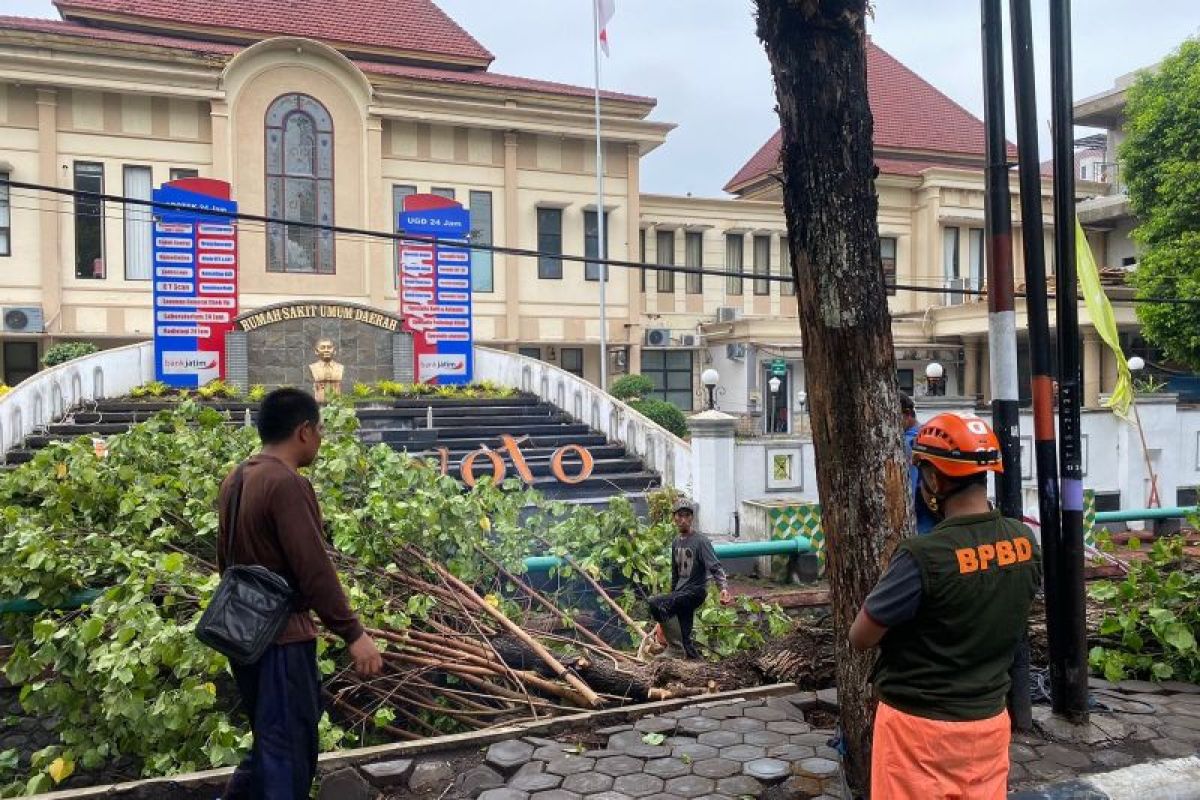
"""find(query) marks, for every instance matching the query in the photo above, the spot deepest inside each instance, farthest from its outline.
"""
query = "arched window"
(299, 140)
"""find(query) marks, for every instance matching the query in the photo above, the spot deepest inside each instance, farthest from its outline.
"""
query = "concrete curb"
(1173, 779)
(328, 762)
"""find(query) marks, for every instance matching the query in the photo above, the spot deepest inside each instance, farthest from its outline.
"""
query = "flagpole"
(600, 226)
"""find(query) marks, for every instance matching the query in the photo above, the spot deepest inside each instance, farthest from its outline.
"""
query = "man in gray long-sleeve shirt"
(693, 561)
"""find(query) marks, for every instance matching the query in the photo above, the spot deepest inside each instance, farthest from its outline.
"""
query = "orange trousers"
(914, 758)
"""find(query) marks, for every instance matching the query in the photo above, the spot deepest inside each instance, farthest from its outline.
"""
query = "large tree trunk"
(818, 58)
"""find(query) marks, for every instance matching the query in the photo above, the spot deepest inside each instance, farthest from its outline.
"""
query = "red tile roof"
(409, 26)
(910, 115)
(461, 77)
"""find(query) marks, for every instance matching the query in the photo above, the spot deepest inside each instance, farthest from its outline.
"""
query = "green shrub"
(218, 390)
(662, 412)
(1150, 618)
(661, 504)
(151, 389)
(66, 351)
(257, 393)
(631, 387)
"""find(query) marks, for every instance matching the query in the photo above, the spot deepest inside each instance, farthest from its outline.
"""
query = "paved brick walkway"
(731, 749)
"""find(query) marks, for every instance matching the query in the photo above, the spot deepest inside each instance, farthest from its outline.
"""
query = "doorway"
(777, 406)
(20, 361)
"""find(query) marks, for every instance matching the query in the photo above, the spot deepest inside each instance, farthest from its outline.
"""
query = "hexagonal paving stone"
(716, 768)
(675, 741)
(621, 741)
(656, 725)
(743, 752)
(556, 794)
(570, 765)
(791, 752)
(722, 712)
(648, 751)
(535, 782)
(743, 725)
(504, 793)
(608, 796)
(639, 785)
(690, 786)
(694, 751)
(619, 765)
(720, 738)
(788, 727)
(765, 738)
(549, 752)
(765, 713)
(698, 725)
(817, 767)
(739, 786)
(1065, 756)
(667, 768)
(587, 783)
(768, 770)
(508, 756)
(814, 739)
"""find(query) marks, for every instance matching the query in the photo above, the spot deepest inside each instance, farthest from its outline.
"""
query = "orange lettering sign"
(987, 554)
(468, 466)
(1005, 554)
(512, 447)
(585, 468)
(1024, 548)
(967, 562)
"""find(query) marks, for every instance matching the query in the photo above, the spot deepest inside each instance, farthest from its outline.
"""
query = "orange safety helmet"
(957, 446)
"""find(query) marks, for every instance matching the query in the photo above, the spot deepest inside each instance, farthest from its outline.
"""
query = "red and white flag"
(604, 13)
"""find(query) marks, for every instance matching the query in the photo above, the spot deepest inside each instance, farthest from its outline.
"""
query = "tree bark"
(817, 50)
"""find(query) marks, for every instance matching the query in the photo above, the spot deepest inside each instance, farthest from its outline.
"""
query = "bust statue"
(326, 373)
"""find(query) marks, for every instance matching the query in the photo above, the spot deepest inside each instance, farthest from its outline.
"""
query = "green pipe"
(23, 606)
(1134, 514)
(778, 547)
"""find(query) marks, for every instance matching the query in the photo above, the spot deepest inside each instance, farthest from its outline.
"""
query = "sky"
(703, 62)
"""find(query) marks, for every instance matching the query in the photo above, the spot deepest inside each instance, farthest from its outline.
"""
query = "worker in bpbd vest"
(946, 616)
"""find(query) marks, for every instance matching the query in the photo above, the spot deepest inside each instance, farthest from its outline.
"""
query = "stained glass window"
(299, 178)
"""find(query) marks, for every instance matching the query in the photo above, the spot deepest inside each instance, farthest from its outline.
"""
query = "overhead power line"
(349, 231)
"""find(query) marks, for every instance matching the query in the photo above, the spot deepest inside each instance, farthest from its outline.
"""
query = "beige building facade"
(338, 128)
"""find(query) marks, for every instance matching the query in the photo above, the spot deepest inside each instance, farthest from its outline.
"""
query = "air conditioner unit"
(688, 340)
(23, 319)
(728, 314)
(735, 351)
(658, 337)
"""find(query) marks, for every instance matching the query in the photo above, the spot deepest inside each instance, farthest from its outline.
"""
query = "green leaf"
(1178, 636)
(91, 629)
(653, 738)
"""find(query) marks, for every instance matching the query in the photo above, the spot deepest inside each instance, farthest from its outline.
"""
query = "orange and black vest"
(979, 573)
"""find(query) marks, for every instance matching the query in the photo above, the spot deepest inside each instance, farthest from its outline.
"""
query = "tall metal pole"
(600, 252)
(1066, 626)
(1032, 236)
(1002, 317)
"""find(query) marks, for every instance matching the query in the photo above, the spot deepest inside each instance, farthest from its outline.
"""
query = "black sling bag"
(251, 605)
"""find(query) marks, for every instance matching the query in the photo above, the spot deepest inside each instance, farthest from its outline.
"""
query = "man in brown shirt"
(279, 527)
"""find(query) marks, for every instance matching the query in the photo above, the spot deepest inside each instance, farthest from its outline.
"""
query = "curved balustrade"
(659, 449)
(48, 395)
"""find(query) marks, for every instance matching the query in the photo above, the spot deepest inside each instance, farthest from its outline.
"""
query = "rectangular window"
(671, 373)
(887, 254)
(549, 233)
(693, 256)
(665, 245)
(89, 221)
(5, 219)
(591, 245)
(735, 250)
(975, 243)
(762, 264)
(20, 361)
(482, 277)
(179, 173)
(950, 268)
(571, 359)
(904, 377)
(139, 222)
(443, 191)
(530, 352)
(788, 287)
(399, 192)
(642, 258)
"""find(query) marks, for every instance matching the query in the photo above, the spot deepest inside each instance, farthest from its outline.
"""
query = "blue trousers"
(282, 696)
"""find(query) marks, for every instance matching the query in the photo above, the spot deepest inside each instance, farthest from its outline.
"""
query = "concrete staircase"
(421, 426)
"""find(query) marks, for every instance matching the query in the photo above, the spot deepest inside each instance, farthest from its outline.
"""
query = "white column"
(714, 485)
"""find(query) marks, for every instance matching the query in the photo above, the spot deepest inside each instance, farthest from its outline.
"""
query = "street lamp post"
(710, 378)
(802, 404)
(935, 378)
